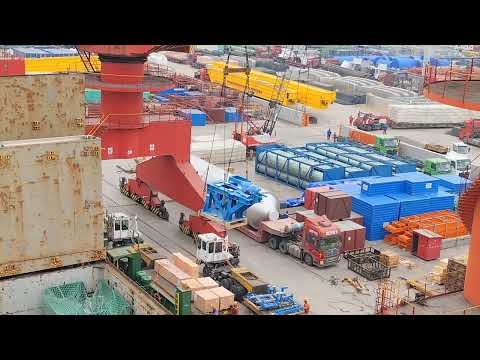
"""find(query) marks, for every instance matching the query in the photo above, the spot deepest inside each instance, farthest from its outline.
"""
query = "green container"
(94, 96)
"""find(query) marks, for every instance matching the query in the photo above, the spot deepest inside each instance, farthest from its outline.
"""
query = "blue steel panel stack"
(29, 52)
(376, 211)
(442, 201)
(419, 183)
(176, 91)
(454, 183)
(412, 204)
(161, 99)
(231, 114)
(383, 186)
(198, 118)
(348, 188)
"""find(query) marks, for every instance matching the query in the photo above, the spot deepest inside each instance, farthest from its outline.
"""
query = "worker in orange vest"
(235, 309)
(306, 306)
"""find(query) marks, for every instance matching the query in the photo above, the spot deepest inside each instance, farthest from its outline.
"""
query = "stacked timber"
(220, 151)
(439, 272)
(456, 270)
(389, 258)
(428, 116)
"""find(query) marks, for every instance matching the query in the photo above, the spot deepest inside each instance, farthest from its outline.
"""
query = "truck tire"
(273, 243)
(206, 271)
(235, 261)
(307, 258)
(226, 283)
(283, 247)
(238, 292)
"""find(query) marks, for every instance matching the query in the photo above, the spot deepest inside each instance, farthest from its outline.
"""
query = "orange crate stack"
(443, 222)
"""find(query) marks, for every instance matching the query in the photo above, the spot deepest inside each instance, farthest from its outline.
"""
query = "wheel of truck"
(238, 292)
(206, 271)
(235, 261)
(283, 247)
(307, 258)
(273, 243)
(226, 283)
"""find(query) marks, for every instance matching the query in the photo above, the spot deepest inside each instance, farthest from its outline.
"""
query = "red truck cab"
(321, 241)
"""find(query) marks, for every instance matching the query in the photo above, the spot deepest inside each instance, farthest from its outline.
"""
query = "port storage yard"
(404, 283)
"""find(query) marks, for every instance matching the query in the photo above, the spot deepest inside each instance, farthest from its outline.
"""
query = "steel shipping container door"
(51, 211)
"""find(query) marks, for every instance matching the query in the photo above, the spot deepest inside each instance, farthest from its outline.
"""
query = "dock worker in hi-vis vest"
(306, 306)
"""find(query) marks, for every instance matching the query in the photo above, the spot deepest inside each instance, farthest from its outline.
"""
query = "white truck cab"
(212, 249)
(121, 227)
(459, 157)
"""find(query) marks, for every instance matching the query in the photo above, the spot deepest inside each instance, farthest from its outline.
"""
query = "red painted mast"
(128, 132)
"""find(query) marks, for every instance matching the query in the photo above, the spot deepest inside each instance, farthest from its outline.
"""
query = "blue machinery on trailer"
(276, 300)
(229, 200)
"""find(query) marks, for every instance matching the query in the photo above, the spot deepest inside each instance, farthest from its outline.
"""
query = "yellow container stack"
(58, 64)
(266, 86)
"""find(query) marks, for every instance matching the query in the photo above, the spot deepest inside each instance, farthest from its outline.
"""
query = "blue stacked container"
(454, 183)
(442, 201)
(419, 183)
(383, 186)
(412, 204)
(231, 114)
(198, 118)
(377, 211)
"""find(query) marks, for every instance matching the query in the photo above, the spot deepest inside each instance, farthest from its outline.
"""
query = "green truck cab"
(437, 166)
(386, 144)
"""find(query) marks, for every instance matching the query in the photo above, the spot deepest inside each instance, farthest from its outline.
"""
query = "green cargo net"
(72, 299)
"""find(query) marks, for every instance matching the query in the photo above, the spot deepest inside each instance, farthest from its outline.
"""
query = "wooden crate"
(170, 272)
(226, 298)
(205, 301)
(186, 265)
(389, 258)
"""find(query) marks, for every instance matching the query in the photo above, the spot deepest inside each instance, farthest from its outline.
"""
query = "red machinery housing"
(128, 132)
(426, 244)
(316, 241)
(369, 121)
(198, 224)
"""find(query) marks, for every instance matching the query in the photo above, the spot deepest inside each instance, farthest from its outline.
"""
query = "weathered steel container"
(51, 212)
(41, 106)
(336, 205)
(353, 235)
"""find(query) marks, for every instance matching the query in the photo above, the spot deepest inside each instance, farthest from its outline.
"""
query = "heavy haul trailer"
(316, 241)
(137, 262)
(257, 295)
(369, 121)
(139, 191)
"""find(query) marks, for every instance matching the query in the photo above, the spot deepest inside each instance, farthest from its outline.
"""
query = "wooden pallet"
(227, 224)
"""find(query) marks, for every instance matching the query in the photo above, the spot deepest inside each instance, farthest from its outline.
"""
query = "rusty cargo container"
(353, 235)
(336, 205)
(356, 218)
(310, 194)
(51, 212)
(41, 106)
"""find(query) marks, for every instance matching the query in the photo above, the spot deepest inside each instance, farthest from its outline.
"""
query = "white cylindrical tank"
(267, 209)
(158, 59)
